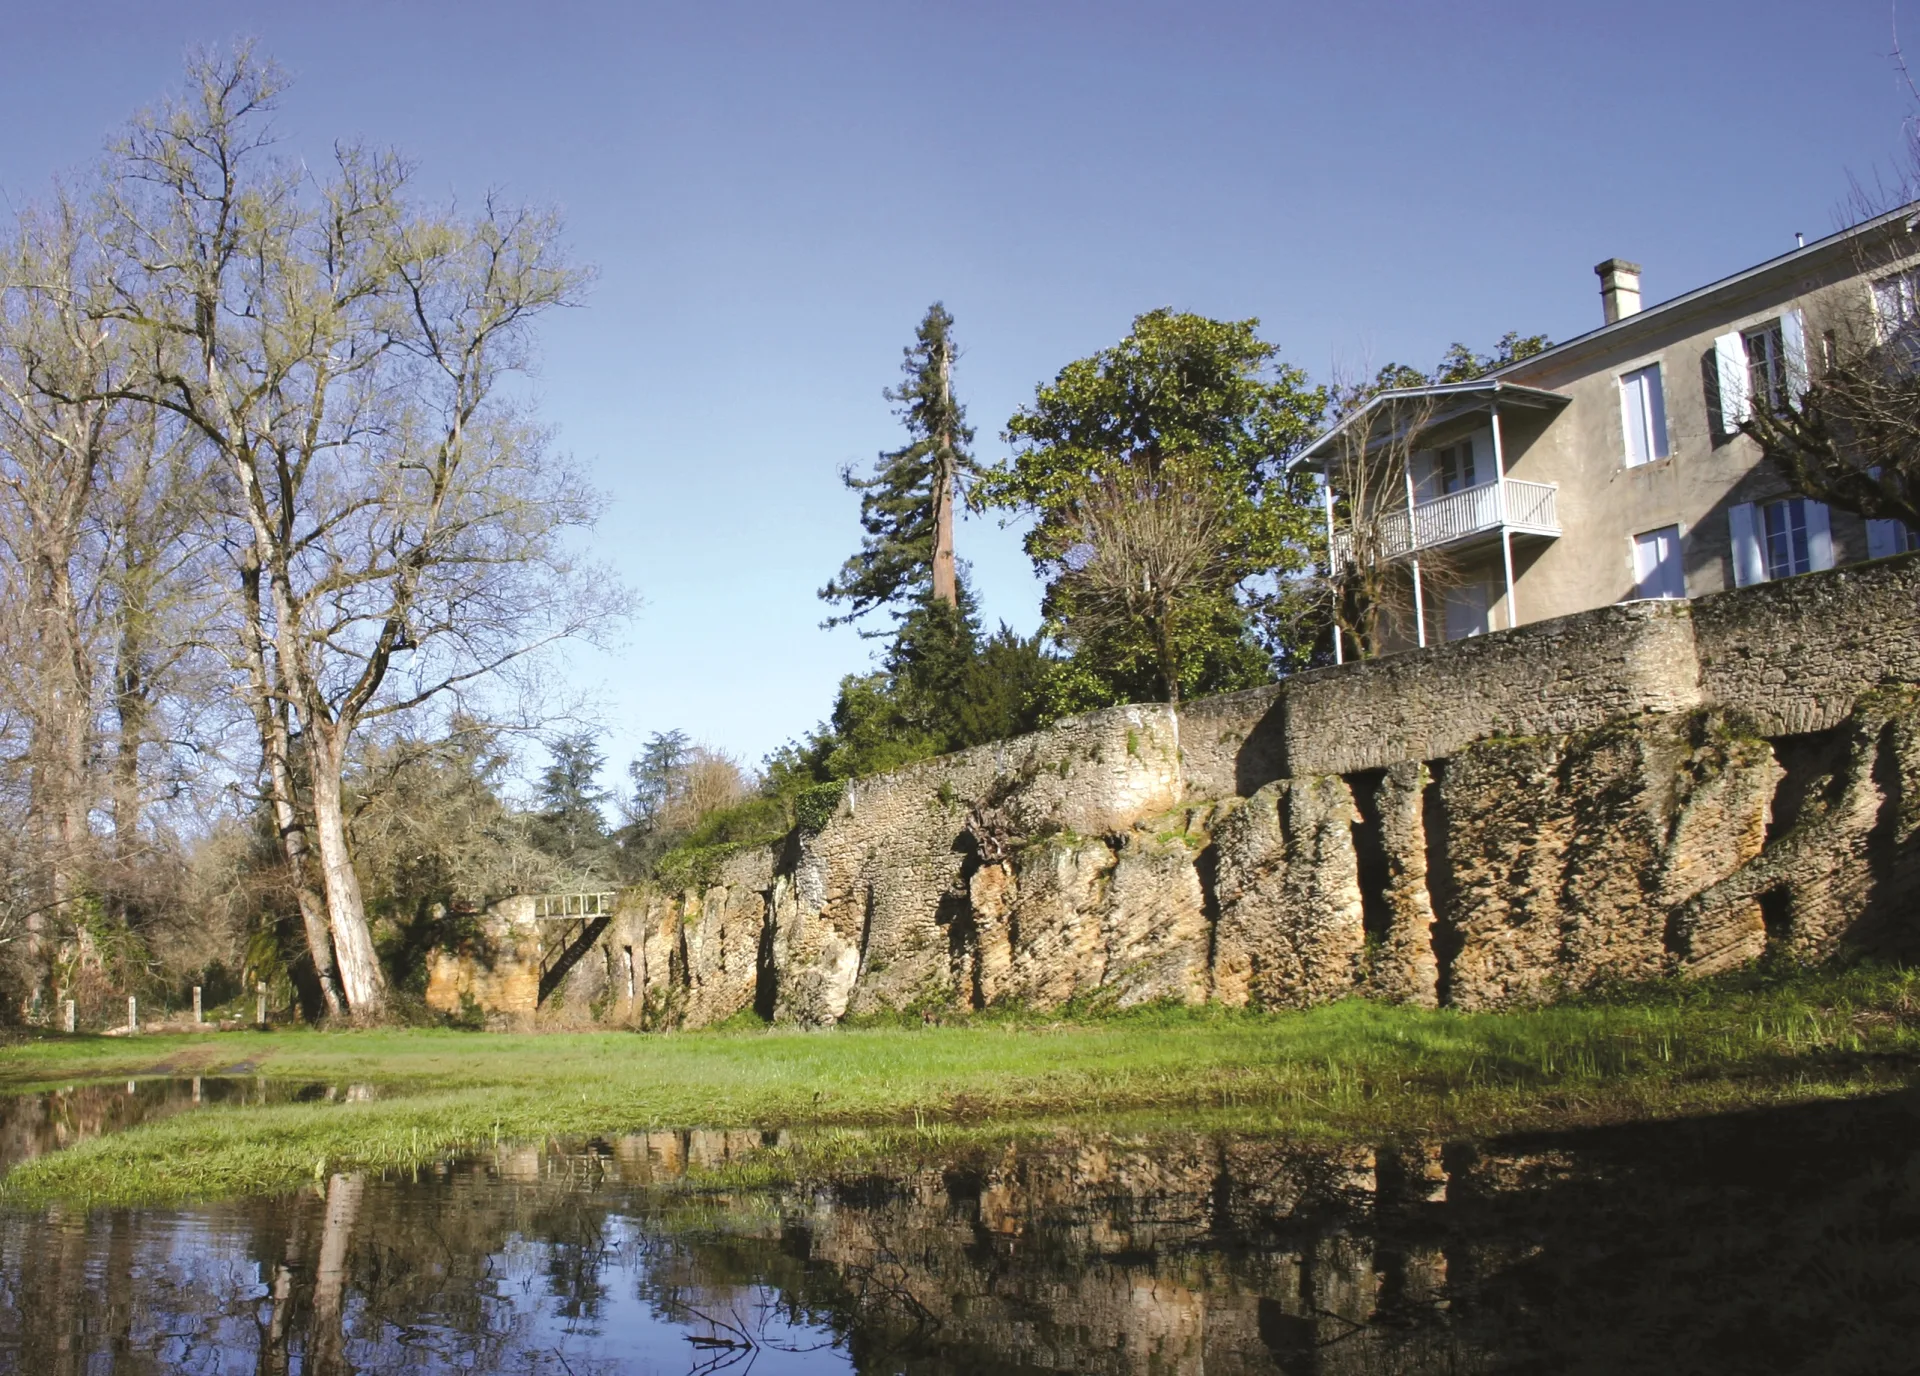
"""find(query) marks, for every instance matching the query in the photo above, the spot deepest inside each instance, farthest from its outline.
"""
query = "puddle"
(1786, 1239)
(33, 1125)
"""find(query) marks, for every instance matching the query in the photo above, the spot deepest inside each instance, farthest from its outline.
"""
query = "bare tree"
(1377, 566)
(341, 353)
(57, 442)
(1384, 559)
(1149, 547)
(1851, 438)
(1844, 425)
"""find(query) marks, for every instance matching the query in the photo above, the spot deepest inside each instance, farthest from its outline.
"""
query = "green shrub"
(813, 806)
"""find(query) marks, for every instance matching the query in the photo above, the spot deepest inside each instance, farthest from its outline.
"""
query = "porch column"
(1326, 490)
(1500, 497)
(1419, 596)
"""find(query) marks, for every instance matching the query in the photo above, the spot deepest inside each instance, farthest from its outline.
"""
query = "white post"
(196, 1003)
(196, 1089)
(260, 1003)
(1326, 489)
(70, 1015)
(1419, 593)
(133, 1016)
(1500, 495)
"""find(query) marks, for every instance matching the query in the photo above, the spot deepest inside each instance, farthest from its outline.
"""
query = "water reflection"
(32, 1125)
(1773, 1241)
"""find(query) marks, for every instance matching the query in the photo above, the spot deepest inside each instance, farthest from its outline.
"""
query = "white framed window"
(1467, 613)
(1766, 365)
(1656, 564)
(1779, 539)
(1643, 413)
(1465, 463)
(1762, 365)
(1788, 550)
(1896, 303)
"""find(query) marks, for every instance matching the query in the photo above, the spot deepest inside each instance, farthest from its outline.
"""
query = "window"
(1896, 303)
(1467, 611)
(1644, 412)
(1656, 564)
(1780, 539)
(1885, 538)
(1766, 365)
(1453, 468)
(1787, 551)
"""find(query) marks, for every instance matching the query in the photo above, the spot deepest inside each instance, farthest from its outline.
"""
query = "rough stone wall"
(497, 969)
(1549, 678)
(1290, 905)
(1563, 857)
(1642, 789)
(876, 914)
(1797, 654)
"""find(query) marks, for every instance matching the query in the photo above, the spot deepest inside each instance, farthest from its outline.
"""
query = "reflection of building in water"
(1754, 1242)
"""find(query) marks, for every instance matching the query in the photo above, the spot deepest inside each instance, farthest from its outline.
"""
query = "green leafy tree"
(1208, 400)
(907, 506)
(1461, 364)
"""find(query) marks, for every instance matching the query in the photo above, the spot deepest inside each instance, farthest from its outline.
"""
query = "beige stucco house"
(1611, 467)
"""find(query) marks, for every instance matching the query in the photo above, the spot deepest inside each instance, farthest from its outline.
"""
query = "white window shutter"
(1633, 417)
(1748, 567)
(1793, 339)
(1730, 358)
(1819, 537)
(1884, 539)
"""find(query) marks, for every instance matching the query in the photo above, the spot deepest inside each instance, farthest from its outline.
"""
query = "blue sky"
(773, 193)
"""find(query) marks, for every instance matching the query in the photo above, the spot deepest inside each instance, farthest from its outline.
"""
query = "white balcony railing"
(1530, 508)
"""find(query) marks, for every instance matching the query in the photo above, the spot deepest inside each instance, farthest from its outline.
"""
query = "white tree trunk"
(360, 977)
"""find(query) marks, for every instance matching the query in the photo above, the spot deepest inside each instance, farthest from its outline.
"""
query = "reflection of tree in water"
(1782, 1240)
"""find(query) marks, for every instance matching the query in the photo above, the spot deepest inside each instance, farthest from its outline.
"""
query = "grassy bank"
(1352, 1069)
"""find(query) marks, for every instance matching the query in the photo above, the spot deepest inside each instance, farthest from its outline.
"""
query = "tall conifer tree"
(907, 506)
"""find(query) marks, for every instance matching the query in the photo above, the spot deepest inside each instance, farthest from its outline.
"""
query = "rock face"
(1645, 789)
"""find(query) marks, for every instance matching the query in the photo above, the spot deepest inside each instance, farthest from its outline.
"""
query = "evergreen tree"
(942, 686)
(656, 776)
(907, 506)
(570, 825)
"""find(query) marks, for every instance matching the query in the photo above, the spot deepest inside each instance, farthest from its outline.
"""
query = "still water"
(1782, 1240)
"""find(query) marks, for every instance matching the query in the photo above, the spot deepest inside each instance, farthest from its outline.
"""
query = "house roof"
(1654, 314)
(1450, 399)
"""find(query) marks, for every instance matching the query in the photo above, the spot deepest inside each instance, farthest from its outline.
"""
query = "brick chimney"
(1619, 288)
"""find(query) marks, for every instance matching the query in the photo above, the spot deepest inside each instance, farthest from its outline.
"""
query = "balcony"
(1463, 518)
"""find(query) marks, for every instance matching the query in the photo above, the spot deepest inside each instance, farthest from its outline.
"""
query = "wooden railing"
(555, 907)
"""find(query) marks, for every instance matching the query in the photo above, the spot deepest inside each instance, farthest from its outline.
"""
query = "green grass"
(1350, 1069)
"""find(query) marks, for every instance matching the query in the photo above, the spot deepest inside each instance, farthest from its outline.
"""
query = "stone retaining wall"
(1612, 795)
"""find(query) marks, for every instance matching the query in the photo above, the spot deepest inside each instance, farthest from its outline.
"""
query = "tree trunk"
(360, 977)
(270, 720)
(57, 800)
(945, 584)
(131, 711)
